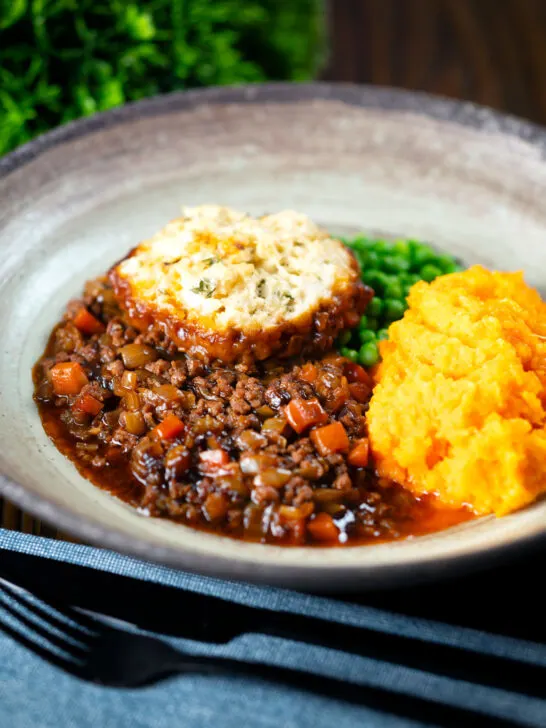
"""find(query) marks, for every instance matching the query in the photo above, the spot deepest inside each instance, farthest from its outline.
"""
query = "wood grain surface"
(492, 52)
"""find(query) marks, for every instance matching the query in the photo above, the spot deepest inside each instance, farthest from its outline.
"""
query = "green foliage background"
(61, 59)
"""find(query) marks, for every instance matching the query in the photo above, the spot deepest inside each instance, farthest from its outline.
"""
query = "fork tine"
(89, 625)
(53, 658)
(65, 638)
(60, 641)
(80, 627)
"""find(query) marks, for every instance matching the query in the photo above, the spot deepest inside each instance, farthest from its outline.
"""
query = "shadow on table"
(504, 600)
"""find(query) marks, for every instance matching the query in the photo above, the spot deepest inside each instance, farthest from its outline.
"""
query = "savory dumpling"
(229, 286)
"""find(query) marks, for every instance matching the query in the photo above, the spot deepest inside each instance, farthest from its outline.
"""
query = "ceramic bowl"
(470, 181)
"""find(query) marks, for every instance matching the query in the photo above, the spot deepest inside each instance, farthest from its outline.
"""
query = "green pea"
(345, 337)
(368, 354)
(376, 280)
(381, 246)
(369, 276)
(363, 323)
(382, 334)
(406, 288)
(394, 309)
(366, 335)
(350, 354)
(395, 264)
(375, 307)
(372, 259)
(421, 254)
(429, 272)
(393, 289)
(403, 248)
(385, 280)
(360, 243)
(372, 324)
(446, 263)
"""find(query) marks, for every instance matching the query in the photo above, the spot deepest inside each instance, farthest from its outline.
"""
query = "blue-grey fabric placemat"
(35, 694)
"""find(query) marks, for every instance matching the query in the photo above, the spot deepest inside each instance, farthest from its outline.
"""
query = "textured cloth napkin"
(468, 652)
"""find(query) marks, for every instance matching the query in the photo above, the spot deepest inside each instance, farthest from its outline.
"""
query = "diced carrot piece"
(323, 528)
(169, 428)
(87, 323)
(309, 373)
(360, 453)
(88, 404)
(68, 378)
(304, 413)
(214, 458)
(330, 439)
(356, 373)
(216, 506)
(359, 391)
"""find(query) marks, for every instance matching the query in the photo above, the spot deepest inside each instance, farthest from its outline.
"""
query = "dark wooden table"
(492, 52)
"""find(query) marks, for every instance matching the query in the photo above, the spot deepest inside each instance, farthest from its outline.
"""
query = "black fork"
(96, 651)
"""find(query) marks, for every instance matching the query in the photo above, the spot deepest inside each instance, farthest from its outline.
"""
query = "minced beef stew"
(274, 451)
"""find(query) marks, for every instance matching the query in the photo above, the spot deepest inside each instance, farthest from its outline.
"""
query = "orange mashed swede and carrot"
(459, 404)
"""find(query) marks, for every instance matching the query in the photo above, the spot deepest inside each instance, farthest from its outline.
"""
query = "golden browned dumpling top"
(230, 285)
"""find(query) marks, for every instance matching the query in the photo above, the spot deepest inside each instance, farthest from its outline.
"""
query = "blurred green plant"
(61, 59)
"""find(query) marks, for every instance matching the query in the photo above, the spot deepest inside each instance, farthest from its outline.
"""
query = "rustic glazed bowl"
(72, 202)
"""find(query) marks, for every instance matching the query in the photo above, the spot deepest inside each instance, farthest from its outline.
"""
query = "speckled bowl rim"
(465, 114)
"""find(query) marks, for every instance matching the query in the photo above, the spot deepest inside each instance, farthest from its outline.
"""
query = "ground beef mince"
(273, 452)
